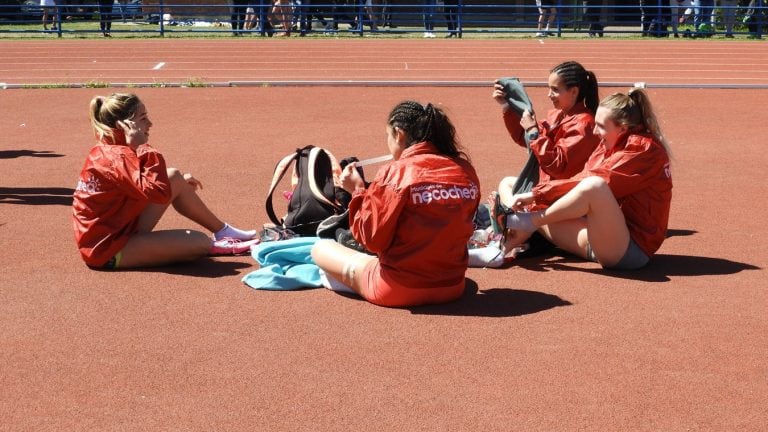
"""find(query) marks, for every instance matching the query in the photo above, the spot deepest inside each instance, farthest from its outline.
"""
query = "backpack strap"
(311, 165)
(280, 170)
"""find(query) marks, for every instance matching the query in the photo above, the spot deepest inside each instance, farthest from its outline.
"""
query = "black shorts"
(633, 259)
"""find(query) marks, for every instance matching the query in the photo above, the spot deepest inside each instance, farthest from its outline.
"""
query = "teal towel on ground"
(285, 265)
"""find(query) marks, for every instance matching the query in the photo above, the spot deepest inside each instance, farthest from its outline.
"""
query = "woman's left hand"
(195, 183)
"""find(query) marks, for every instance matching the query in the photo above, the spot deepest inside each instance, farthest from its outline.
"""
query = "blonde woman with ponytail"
(125, 187)
(616, 211)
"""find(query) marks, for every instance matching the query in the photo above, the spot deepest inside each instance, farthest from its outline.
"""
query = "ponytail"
(101, 130)
(426, 123)
(591, 92)
(651, 123)
(634, 110)
(106, 111)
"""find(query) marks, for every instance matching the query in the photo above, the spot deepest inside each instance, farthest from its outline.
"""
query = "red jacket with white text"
(116, 184)
(637, 171)
(417, 217)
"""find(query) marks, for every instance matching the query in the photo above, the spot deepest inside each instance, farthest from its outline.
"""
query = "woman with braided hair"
(562, 142)
(415, 216)
(615, 211)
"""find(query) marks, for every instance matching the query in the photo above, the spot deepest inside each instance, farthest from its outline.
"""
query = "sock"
(334, 284)
(522, 221)
(231, 232)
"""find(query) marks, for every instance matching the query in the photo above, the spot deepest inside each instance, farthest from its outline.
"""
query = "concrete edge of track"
(354, 83)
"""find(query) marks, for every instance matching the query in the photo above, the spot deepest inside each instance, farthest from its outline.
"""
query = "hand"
(350, 179)
(134, 136)
(528, 120)
(499, 94)
(521, 201)
(195, 183)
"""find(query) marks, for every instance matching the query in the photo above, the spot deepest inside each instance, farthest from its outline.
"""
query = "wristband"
(531, 134)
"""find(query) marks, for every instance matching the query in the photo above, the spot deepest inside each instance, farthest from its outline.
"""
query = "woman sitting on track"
(416, 216)
(125, 188)
(615, 212)
(565, 140)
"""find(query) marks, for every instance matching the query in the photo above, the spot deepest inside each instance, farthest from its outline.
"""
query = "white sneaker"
(429, 35)
(230, 246)
(541, 34)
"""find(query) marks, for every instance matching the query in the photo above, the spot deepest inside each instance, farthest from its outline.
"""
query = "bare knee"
(174, 175)
(507, 183)
(321, 251)
(178, 183)
(506, 186)
(593, 185)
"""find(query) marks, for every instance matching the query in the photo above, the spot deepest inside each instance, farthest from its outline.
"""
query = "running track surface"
(243, 60)
(549, 345)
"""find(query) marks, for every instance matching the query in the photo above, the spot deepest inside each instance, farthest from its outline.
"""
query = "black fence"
(428, 18)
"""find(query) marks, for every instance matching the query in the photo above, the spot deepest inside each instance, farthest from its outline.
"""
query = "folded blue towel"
(285, 265)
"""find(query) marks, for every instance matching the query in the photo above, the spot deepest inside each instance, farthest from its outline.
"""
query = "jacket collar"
(424, 147)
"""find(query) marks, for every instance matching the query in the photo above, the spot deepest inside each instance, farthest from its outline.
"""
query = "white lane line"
(159, 66)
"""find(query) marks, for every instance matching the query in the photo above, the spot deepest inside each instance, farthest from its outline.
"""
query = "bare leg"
(505, 190)
(372, 17)
(342, 263)
(551, 21)
(540, 23)
(185, 200)
(588, 213)
(153, 248)
(164, 247)
(282, 12)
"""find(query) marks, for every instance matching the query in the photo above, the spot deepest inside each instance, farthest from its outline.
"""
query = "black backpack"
(315, 195)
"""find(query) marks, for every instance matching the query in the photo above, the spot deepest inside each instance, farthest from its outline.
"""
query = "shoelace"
(229, 242)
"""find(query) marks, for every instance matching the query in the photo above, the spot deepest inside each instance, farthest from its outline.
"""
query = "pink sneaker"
(230, 246)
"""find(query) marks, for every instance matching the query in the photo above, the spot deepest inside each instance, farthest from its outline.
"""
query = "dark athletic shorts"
(633, 259)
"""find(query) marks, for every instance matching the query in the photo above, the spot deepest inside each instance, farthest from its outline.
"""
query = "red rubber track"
(546, 345)
(174, 61)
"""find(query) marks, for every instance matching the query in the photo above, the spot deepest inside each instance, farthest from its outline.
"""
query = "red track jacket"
(564, 144)
(637, 171)
(115, 186)
(417, 217)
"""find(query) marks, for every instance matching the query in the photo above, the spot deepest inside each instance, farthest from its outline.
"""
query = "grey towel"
(517, 98)
(519, 101)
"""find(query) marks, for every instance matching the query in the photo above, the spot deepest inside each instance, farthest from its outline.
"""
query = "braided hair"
(573, 74)
(426, 123)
